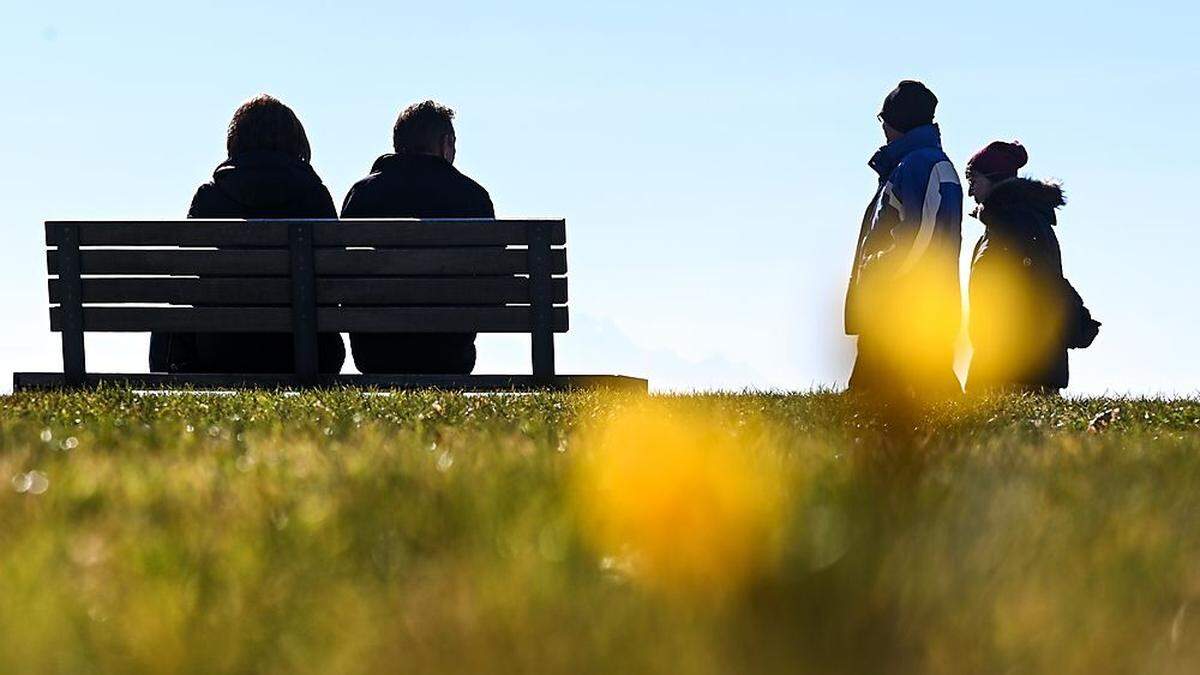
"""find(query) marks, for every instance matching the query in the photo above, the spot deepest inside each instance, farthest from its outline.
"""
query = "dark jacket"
(415, 186)
(259, 184)
(904, 300)
(263, 184)
(1024, 314)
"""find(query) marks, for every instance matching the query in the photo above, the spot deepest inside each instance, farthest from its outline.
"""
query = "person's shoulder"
(921, 166)
(375, 194)
(365, 184)
(321, 202)
(923, 160)
(369, 186)
(206, 188)
(206, 201)
(361, 198)
(378, 173)
(475, 195)
(480, 201)
(473, 185)
(305, 177)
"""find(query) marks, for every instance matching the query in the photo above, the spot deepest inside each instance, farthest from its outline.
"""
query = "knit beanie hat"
(999, 160)
(908, 106)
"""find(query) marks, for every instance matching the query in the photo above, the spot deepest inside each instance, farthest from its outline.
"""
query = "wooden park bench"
(308, 276)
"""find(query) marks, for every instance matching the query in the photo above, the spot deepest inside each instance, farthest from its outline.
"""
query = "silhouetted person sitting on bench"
(418, 181)
(267, 175)
(1023, 314)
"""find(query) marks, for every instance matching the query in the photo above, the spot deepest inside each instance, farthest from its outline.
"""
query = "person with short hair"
(903, 300)
(267, 174)
(1023, 313)
(418, 180)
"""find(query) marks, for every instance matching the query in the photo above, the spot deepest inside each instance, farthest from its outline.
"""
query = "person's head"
(425, 128)
(998, 161)
(908, 106)
(265, 123)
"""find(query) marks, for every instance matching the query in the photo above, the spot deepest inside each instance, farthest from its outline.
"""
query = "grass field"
(340, 532)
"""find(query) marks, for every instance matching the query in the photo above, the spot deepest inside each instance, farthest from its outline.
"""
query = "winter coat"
(415, 186)
(1023, 314)
(258, 184)
(904, 300)
(263, 184)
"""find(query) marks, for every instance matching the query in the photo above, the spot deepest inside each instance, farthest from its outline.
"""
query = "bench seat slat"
(329, 319)
(330, 291)
(182, 262)
(181, 291)
(437, 233)
(477, 261)
(432, 261)
(433, 319)
(354, 232)
(409, 291)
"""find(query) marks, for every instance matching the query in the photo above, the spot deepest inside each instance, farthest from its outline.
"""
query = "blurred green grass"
(348, 532)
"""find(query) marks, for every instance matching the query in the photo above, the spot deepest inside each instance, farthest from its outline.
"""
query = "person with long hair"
(266, 174)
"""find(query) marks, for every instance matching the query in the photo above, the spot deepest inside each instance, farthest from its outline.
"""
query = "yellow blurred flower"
(684, 502)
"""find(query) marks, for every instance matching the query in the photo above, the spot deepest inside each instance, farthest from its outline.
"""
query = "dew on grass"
(31, 482)
(445, 461)
(21, 482)
(46, 436)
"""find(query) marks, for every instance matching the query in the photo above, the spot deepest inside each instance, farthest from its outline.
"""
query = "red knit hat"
(998, 160)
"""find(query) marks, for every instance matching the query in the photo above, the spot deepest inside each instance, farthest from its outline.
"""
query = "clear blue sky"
(710, 158)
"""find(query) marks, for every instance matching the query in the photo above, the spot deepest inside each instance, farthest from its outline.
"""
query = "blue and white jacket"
(913, 224)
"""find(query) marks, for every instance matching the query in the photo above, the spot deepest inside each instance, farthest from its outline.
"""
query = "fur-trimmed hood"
(1026, 192)
(1018, 198)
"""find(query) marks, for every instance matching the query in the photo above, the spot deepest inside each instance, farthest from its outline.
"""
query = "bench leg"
(70, 281)
(541, 302)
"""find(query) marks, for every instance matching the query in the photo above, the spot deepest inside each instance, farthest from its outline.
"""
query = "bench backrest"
(308, 276)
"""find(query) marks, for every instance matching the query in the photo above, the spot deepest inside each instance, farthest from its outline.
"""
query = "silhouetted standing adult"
(417, 181)
(903, 300)
(266, 175)
(1023, 314)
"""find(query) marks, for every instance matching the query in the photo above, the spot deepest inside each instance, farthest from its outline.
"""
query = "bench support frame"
(74, 360)
(541, 301)
(304, 300)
